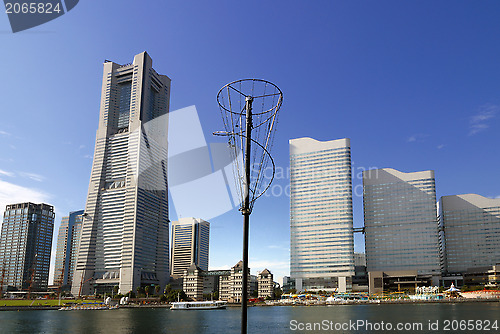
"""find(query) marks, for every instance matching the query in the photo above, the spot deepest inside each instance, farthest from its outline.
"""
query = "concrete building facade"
(190, 244)
(192, 283)
(125, 236)
(67, 249)
(321, 216)
(230, 287)
(25, 246)
(469, 232)
(265, 284)
(401, 232)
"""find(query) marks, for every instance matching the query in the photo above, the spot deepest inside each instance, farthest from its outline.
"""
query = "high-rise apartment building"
(321, 217)
(401, 232)
(190, 244)
(67, 248)
(124, 238)
(25, 246)
(469, 232)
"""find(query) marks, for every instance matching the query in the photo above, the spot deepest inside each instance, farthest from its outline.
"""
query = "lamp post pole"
(246, 214)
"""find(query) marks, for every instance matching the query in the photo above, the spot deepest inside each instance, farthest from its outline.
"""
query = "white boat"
(208, 305)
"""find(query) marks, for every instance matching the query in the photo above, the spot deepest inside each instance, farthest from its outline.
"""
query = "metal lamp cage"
(264, 100)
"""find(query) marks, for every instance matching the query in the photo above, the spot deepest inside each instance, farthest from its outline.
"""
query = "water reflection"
(273, 320)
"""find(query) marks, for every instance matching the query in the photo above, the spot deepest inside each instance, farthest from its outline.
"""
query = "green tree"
(139, 290)
(175, 295)
(168, 288)
(157, 289)
(277, 293)
(147, 288)
(115, 289)
(255, 293)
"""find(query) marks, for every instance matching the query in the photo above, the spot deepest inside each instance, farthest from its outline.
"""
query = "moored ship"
(207, 305)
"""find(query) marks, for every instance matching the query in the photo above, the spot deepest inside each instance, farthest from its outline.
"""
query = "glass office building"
(190, 243)
(25, 246)
(68, 239)
(321, 217)
(401, 232)
(469, 232)
(124, 239)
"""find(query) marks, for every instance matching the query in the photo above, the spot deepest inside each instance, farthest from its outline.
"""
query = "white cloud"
(4, 133)
(12, 193)
(81, 147)
(88, 156)
(277, 268)
(418, 137)
(33, 176)
(279, 247)
(479, 121)
(440, 146)
(260, 265)
(9, 174)
(223, 267)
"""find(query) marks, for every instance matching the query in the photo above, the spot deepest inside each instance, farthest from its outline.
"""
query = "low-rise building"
(402, 280)
(487, 276)
(228, 283)
(230, 288)
(193, 282)
(197, 282)
(266, 284)
(225, 287)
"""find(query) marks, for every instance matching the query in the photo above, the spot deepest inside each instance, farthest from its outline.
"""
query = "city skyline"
(419, 97)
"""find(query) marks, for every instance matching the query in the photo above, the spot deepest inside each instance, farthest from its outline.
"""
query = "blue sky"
(414, 84)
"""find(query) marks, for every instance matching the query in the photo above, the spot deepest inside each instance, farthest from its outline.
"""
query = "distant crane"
(81, 284)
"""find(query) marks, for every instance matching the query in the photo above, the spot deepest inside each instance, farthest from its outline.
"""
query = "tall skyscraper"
(124, 237)
(321, 218)
(25, 246)
(190, 243)
(401, 231)
(469, 232)
(67, 248)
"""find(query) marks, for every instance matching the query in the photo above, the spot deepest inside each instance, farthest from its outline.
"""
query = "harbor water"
(383, 318)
